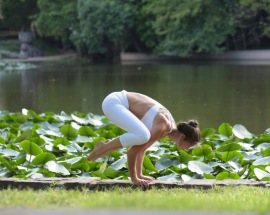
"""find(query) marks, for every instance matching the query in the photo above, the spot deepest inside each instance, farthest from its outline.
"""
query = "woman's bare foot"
(103, 149)
(95, 154)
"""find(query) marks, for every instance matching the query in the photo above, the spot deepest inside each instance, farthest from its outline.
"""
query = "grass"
(227, 199)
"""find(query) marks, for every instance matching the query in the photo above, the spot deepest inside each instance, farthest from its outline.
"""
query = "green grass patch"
(233, 199)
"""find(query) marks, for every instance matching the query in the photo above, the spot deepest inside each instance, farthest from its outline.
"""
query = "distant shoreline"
(252, 55)
(42, 58)
(262, 56)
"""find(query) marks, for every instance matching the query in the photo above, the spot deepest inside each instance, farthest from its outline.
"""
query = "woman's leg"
(103, 149)
(120, 115)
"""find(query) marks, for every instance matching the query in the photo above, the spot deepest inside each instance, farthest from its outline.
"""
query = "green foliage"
(16, 14)
(50, 145)
(105, 26)
(181, 27)
(185, 27)
(55, 17)
(255, 17)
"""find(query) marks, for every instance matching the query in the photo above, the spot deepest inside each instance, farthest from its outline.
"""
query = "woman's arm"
(132, 158)
(135, 157)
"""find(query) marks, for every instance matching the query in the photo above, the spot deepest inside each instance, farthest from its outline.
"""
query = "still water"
(212, 93)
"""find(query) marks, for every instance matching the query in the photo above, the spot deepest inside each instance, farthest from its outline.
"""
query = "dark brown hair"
(191, 130)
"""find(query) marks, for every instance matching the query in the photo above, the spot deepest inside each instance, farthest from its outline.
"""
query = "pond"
(213, 92)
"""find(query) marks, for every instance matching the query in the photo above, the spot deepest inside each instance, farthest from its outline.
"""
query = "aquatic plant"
(56, 145)
(8, 66)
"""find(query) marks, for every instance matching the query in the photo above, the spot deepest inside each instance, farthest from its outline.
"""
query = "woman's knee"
(143, 137)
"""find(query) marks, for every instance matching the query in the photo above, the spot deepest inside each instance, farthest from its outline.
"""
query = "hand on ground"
(147, 178)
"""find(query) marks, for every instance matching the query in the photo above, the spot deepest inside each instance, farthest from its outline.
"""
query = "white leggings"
(115, 106)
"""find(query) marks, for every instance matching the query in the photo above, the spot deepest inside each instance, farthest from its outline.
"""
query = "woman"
(145, 121)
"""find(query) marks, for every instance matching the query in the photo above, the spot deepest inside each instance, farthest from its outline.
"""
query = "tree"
(56, 18)
(105, 27)
(16, 13)
(184, 27)
(252, 22)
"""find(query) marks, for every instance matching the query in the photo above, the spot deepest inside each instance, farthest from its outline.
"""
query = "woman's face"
(182, 144)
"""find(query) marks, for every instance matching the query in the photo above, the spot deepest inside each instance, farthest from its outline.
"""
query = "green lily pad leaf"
(227, 156)
(241, 132)
(209, 176)
(236, 166)
(32, 115)
(68, 131)
(227, 175)
(186, 178)
(95, 120)
(103, 167)
(79, 120)
(68, 149)
(7, 164)
(204, 151)
(63, 117)
(81, 166)
(262, 161)
(264, 138)
(225, 129)
(110, 173)
(199, 167)
(263, 146)
(43, 158)
(207, 132)
(61, 140)
(9, 153)
(229, 147)
(26, 126)
(36, 176)
(86, 131)
(56, 168)
(119, 164)
(73, 160)
(262, 175)
(148, 164)
(170, 177)
(31, 148)
(164, 163)
(266, 152)
(99, 174)
(27, 135)
(38, 140)
(184, 157)
(42, 131)
(84, 139)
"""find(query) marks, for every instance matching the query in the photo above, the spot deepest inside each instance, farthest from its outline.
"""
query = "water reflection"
(211, 93)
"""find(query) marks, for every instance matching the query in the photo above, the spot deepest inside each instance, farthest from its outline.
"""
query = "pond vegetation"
(56, 145)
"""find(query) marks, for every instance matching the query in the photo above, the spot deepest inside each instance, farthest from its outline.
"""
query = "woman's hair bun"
(193, 123)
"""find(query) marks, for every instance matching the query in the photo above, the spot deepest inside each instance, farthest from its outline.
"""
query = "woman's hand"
(147, 178)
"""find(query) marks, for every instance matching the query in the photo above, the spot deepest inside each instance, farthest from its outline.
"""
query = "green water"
(212, 93)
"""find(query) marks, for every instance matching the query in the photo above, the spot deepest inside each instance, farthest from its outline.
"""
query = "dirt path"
(37, 59)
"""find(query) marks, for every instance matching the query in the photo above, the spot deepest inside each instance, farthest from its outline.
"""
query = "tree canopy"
(173, 28)
(104, 26)
(55, 18)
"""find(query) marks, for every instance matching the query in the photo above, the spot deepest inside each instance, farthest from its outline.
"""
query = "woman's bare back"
(139, 104)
